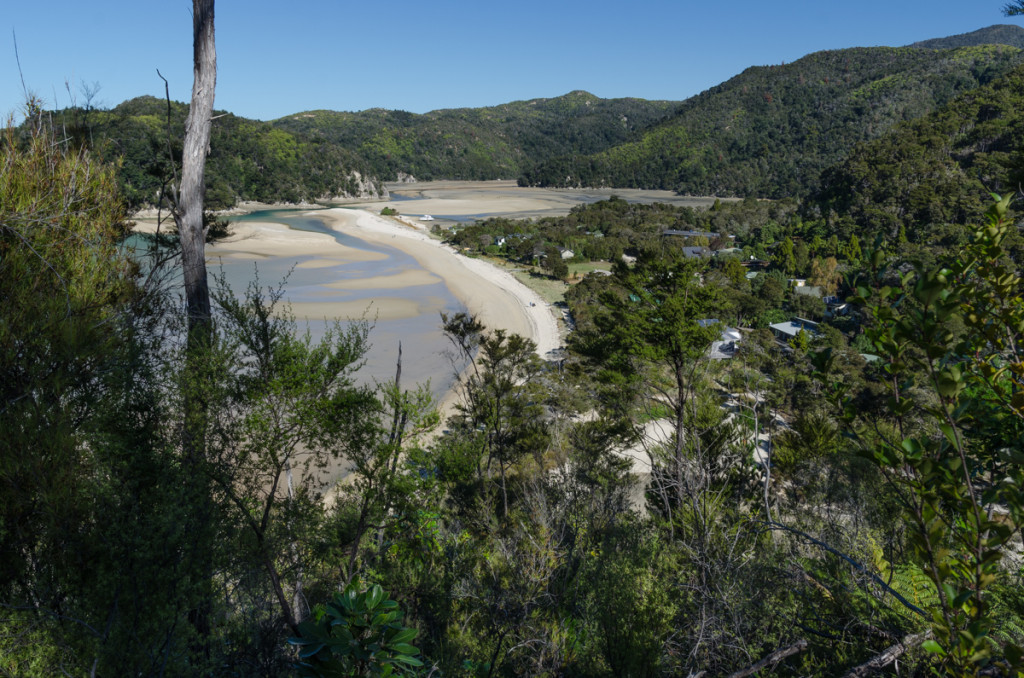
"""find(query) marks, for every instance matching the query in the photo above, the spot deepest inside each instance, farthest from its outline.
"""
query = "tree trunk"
(188, 216)
(891, 654)
(189, 212)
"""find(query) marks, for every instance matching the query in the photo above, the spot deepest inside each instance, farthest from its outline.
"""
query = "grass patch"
(549, 289)
(583, 268)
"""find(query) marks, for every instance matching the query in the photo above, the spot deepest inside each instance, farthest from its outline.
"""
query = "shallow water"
(423, 344)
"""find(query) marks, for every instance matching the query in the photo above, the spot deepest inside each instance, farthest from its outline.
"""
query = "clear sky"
(284, 57)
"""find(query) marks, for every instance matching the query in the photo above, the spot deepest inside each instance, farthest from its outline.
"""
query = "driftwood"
(889, 655)
(774, 658)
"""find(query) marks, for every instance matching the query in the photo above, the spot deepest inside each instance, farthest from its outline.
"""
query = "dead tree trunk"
(188, 216)
(189, 212)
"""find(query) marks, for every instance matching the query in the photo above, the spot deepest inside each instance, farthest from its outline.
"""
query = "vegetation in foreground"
(805, 511)
(825, 497)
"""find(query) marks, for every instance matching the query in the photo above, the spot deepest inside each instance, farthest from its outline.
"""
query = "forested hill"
(498, 142)
(249, 159)
(1003, 34)
(921, 182)
(772, 130)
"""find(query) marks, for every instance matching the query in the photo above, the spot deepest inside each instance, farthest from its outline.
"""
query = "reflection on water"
(423, 344)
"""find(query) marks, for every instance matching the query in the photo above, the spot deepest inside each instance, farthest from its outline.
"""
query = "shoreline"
(493, 295)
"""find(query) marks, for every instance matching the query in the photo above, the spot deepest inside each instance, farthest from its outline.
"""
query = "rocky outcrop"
(358, 187)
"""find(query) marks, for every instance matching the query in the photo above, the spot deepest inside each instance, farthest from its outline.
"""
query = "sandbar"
(387, 282)
(494, 296)
(264, 239)
(380, 308)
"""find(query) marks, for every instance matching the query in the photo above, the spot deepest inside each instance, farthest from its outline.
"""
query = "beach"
(493, 295)
(498, 299)
(336, 278)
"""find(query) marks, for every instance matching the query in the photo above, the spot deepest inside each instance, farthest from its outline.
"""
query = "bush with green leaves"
(356, 634)
(957, 455)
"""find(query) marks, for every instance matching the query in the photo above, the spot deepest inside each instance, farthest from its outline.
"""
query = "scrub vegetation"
(786, 437)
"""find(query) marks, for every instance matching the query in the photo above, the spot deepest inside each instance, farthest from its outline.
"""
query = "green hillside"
(498, 142)
(772, 130)
(249, 159)
(1003, 34)
(929, 175)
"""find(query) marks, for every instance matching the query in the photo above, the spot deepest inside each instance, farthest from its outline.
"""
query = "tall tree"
(188, 217)
(189, 213)
(501, 407)
(91, 578)
(650, 348)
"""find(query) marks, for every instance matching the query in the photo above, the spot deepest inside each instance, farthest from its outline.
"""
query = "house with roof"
(724, 347)
(696, 252)
(787, 331)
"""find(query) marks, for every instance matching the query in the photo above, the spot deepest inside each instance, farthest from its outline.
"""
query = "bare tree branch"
(891, 654)
(860, 567)
(774, 658)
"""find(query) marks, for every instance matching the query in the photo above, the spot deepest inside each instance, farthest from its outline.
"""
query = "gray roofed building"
(696, 252)
(724, 347)
(787, 330)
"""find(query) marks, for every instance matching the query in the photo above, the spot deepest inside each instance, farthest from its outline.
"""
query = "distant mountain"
(1002, 34)
(770, 131)
(249, 159)
(926, 178)
(498, 142)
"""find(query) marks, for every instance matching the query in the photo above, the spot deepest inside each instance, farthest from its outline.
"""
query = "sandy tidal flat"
(493, 295)
(261, 239)
(463, 200)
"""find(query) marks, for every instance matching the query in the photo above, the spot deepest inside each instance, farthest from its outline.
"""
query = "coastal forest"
(785, 437)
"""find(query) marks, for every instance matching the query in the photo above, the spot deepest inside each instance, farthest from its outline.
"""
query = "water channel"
(423, 344)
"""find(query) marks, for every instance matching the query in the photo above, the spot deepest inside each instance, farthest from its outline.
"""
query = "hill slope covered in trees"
(249, 159)
(497, 142)
(927, 178)
(771, 130)
(1002, 34)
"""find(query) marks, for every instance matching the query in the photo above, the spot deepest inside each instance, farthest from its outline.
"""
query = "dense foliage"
(922, 183)
(1003, 34)
(249, 160)
(498, 142)
(770, 131)
(658, 501)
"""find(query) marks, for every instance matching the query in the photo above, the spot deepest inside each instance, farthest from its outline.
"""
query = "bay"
(424, 346)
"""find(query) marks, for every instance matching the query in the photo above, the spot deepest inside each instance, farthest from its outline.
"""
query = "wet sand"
(493, 295)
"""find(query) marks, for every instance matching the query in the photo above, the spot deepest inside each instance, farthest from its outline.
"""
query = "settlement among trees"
(787, 437)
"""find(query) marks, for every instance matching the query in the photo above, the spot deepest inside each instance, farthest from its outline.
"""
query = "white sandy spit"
(495, 296)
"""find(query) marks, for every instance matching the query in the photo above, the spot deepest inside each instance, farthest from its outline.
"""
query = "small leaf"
(411, 661)
(404, 636)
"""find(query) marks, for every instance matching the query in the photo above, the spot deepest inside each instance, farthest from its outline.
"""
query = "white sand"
(493, 295)
(262, 239)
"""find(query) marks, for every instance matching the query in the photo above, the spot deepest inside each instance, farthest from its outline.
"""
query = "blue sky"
(284, 57)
